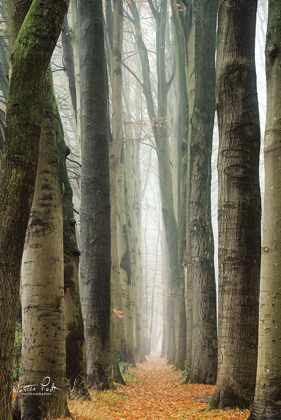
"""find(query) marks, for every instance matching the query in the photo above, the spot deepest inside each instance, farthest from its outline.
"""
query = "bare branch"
(134, 74)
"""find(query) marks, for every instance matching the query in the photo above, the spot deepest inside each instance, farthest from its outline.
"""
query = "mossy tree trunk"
(34, 44)
(239, 209)
(95, 209)
(268, 392)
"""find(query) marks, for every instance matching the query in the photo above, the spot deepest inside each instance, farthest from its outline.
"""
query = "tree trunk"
(18, 168)
(75, 341)
(153, 292)
(201, 61)
(74, 37)
(95, 194)
(239, 209)
(42, 285)
(165, 281)
(69, 47)
(133, 192)
(268, 393)
(68, 61)
(4, 53)
(122, 270)
(185, 345)
(116, 79)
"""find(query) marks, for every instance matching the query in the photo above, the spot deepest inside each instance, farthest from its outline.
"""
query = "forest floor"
(154, 391)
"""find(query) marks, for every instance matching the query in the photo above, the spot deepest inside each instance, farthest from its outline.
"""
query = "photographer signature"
(44, 387)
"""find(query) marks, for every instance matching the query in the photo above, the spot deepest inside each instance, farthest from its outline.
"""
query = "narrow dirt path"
(158, 393)
(154, 392)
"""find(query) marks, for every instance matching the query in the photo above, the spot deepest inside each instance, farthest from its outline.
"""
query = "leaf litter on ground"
(154, 391)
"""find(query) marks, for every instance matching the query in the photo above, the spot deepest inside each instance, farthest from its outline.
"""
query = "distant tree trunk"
(73, 34)
(165, 181)
(122, 270)
(43, 302)
(166, 292)
(130, 249)
(201, 61)
(75, 341)
(185, 345)
(138, 248)
(116, 80)
(145, 292)
(268, 392)
(69, 47)
(164, 335)
(239, 209)
(153, 291)
(133, 192)
(68, 61)
(18, 168)
(160, 132)
(95, 193)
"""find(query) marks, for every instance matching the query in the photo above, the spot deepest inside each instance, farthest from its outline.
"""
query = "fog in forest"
(140, 209)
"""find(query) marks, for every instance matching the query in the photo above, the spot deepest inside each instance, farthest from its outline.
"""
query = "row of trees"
(111, 73)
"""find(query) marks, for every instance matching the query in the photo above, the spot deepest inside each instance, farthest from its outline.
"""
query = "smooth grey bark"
(268, 392)
(239, 208)
(68, 61)
(43, 304)
(95, 194)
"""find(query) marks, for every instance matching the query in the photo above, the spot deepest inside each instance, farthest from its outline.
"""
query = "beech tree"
(41, 28)
(180, 29)
(201, 95)
(120, 228)
(43, 304)
(268, 393)
(239, 209)
(75, 341)
(134, 204)
(95, 196)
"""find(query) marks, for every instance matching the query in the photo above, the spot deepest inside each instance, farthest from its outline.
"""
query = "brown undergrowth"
(153, 392)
